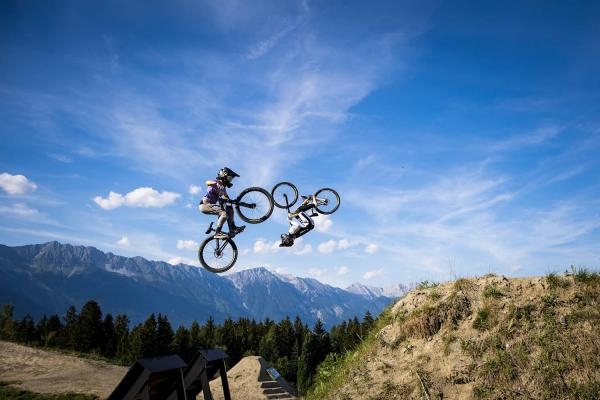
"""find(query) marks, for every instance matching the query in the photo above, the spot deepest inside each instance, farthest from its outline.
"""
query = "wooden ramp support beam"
(170, 378)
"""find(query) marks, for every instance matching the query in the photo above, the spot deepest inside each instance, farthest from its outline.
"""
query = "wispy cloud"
(373, 274)
(536, 137)
(187, 244)
(19, 210)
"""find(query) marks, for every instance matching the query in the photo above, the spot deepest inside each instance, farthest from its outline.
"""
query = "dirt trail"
(43, 371)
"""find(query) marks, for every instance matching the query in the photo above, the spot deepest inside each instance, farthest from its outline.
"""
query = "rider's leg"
(304, 224)
(233, 229)
(215, 209)
(299, 225)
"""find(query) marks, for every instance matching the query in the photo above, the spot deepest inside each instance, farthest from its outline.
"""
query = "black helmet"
(226, 175)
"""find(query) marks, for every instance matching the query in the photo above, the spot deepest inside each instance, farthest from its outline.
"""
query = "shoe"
(239, 229)
(220, 235)
(286, 241)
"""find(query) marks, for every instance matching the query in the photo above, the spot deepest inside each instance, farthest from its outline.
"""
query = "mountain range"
(46, 279)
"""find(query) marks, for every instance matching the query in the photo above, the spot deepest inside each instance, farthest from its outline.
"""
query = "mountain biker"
(213, 203)
(301, 223)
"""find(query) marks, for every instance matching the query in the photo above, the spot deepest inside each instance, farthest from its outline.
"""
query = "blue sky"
(463, 137)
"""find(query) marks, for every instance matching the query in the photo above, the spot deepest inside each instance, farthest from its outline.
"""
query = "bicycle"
(253, 205)
(285, 195)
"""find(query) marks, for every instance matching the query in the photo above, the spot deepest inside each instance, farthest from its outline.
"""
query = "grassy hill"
(480, 338)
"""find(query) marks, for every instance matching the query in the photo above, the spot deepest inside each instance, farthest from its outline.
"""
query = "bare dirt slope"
(44, 371)
(481, 338)
(249, 380)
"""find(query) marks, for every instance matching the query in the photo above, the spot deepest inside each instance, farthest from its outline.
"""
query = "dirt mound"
(252, 379)
(489, 337)
(44, 371)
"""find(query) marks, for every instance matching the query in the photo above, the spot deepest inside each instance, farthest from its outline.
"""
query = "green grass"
(492, 291)
(12, 393)
(337, 368)
(426, 285)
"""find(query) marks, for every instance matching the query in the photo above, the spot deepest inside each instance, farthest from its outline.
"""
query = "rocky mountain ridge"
(48, 278)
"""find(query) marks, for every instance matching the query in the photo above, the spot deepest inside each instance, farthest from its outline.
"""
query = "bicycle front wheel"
(254, 205)
(284, 194)
(328, 201)
(217, 255)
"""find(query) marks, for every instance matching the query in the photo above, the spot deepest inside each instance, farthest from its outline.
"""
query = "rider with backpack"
(212, 203)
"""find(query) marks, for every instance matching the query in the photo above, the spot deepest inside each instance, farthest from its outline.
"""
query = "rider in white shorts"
(300, 221)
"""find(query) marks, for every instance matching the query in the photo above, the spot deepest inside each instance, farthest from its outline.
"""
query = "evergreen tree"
(70, 332)
(7, 323)
(300, 330)
(181, 342)
(109, 348)
(208, 336)
(26, 330)
(306, 363)
(143, 342)
(322, 342)
(122, 337)
(164, 335)
(89, 334)
(367, 324)
(196, 337)
(268, 345)
(53, 330)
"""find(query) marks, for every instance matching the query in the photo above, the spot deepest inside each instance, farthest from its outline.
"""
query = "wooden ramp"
(170, 378)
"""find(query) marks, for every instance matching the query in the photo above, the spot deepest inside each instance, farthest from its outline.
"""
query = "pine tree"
(306, 363)
(122, 336)
(7, 324)
(109, 348)
(89, 328)
(196, 340)
(26, 330)
(181, 342)
(209, 333)
(164, 335)
(268, 345)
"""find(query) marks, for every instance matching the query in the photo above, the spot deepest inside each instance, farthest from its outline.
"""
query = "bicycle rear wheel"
(328, 201)
(217, 255)
(254, 205)
(285, 194)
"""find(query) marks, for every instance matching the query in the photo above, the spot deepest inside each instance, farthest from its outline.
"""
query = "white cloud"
(141, 197)
(194, 189)
(263, 246)
(187, 244)
(16, 184)
(332, 245)
(346, 244)
(114, 200)
(316, 272)
(328, 247)
(372, 274)
(181, 260)
(124, 241)
(343, 270)
(306, 249)
(19, 210)
(372, 248)
(323, 223)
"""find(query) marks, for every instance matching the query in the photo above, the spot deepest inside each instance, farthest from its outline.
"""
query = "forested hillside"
(291, 346)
